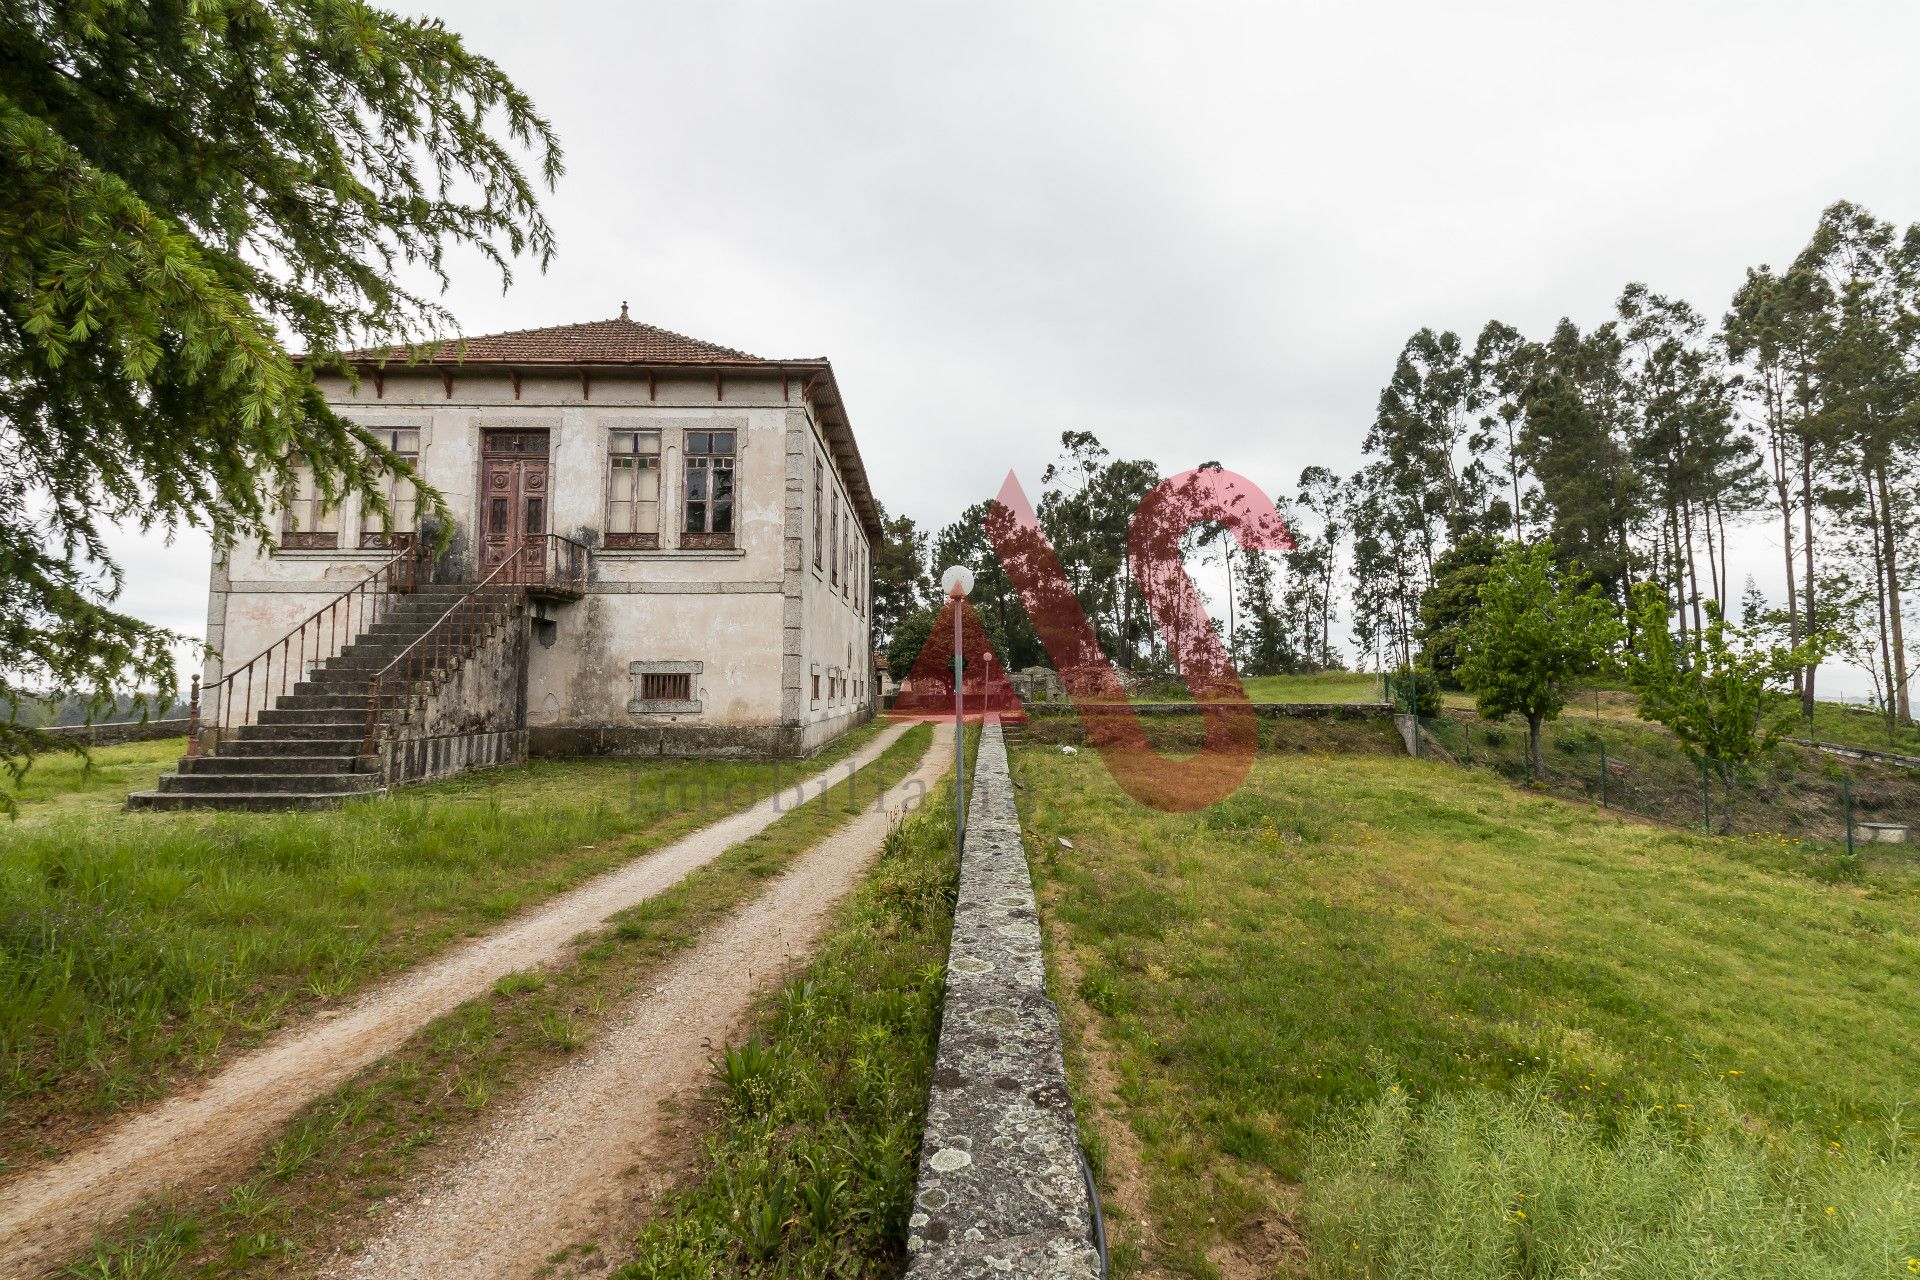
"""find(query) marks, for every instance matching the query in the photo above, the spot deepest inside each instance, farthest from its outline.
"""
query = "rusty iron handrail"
(471, 621)
(333, 626)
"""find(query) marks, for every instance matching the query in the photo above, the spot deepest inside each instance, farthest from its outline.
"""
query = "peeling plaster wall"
(756, 617)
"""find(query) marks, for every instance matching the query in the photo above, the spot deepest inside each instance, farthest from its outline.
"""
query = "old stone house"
(657, 546)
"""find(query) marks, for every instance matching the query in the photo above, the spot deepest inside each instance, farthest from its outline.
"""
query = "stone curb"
(1000, 1189)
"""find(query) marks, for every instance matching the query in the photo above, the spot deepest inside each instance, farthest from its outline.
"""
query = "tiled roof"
(616, 341)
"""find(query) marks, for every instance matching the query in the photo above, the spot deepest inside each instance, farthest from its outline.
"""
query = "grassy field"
(1320, 686)
(139, 948)
(1799, 795)
(319, 1187)
(1382, 1017)
(1857, 727)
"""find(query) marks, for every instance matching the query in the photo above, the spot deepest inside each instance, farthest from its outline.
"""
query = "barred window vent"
(664, 686)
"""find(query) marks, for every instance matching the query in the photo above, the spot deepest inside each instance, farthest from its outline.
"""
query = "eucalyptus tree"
(1686, 440)
(1422, 428)
(1576, 407)
(193, 186)
(1390, 565)
(1502, 368)
(1314, 563)
(1867, 368)
(1087, 511)
(1771, 333)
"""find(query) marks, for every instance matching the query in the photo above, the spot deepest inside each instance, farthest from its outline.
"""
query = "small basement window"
(668, 686)
(664, 688)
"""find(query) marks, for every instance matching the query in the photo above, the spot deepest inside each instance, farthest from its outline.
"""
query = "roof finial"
(623, 308)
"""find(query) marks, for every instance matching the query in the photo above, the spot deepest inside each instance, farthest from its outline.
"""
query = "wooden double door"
(514, 497)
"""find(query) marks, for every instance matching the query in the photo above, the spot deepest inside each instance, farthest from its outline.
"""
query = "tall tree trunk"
(1902, 707)
(1534, 764)
(1693, 569)
(1726, 582)
(1874, 524)
(1713, 559)
(1326, 608)
(1513, 470)
(1806, 545)
(1781, 493)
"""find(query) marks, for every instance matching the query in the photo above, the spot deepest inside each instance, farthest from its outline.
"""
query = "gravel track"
(578, 1159)
(192, 1138)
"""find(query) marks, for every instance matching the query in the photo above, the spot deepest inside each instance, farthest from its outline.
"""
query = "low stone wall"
(476, 719)
(412, 760)
(691, 740)
(1001, 1190)
(107, 735)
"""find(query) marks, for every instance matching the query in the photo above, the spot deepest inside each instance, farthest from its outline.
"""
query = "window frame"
(633, 539)
(712, 465)
(292, 536)
(641, 705)
(375, 537)
(819, 508)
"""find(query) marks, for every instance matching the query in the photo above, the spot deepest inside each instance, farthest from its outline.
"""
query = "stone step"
(351, 696)
(246, 801)
(347, 721)
(265, 748)
(342, 762)
(271, 783)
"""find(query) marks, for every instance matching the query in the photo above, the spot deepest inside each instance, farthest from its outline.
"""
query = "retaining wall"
(1001, 1190)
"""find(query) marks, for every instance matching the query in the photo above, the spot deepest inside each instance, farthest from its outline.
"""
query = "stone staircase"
(304, 751)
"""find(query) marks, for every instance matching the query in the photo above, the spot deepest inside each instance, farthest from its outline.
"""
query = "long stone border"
(1001, 1190)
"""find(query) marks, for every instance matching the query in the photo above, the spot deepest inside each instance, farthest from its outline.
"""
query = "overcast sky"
(1199, 232)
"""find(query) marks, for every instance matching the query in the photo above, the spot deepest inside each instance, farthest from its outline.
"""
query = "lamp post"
(957, 582)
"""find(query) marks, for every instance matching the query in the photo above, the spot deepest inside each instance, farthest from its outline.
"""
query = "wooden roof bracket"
(446, 380)
(515, 375)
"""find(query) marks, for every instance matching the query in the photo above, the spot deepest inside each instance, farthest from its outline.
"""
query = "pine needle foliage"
(195, 190)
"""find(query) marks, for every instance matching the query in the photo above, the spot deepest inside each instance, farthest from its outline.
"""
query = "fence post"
(1413, 698)
(1706, 801)
(193, 719)
(1603, 773)
(1469, 728)
(1846, 800)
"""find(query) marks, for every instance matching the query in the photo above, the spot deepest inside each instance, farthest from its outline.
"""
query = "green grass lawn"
(136, 948)
(1857, 727)
(61, 781)
(853, 1035)
(1319, 686)
(1383, 1001)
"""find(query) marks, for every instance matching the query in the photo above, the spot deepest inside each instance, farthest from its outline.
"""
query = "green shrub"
(1414, 689)
(1483, 1185)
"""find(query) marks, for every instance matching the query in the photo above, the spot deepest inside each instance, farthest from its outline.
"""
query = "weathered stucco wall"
(475, 719)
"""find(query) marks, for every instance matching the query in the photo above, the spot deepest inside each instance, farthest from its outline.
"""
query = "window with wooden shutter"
(633, 491)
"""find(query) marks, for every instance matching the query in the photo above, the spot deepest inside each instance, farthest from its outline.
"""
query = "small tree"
(1713, 693)
(1537, 630)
